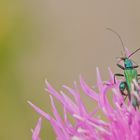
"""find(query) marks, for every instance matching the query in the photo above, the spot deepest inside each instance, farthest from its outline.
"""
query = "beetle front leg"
(120, 66)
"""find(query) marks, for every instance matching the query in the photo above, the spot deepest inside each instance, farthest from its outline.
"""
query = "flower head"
(123, 120)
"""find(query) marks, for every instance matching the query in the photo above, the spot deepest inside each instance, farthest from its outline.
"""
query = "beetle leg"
(138, 78)
(120, 66)
(117, 74)
(135, 66)
(122, 87)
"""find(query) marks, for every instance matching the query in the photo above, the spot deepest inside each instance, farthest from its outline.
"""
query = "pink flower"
(122, 120)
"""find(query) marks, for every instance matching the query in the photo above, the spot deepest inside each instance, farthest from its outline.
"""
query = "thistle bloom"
(122, 120)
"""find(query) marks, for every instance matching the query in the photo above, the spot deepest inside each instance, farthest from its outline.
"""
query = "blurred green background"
(57, 40)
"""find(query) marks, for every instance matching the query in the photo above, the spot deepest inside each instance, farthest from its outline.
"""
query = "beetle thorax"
(128, 63)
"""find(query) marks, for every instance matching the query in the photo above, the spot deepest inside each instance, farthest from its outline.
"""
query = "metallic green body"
(130, 74)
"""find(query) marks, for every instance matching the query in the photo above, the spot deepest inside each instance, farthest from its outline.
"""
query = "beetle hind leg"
(122, 87)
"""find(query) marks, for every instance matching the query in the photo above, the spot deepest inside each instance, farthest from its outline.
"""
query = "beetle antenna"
(133, 52)
(118, 37)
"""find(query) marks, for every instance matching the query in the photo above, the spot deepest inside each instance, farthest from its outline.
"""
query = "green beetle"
(130, 74)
